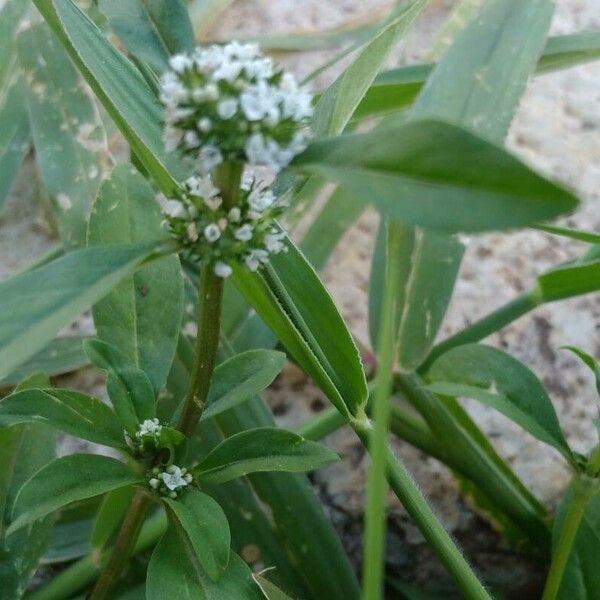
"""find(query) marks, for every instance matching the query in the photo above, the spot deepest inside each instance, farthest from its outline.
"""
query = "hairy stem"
(417, 507)
(207, 341)
(123, 547)
(560, 556)
(374, 541)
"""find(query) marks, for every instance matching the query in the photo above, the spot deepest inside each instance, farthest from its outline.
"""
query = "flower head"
(244, 233)
(232, 103)
(170, 481)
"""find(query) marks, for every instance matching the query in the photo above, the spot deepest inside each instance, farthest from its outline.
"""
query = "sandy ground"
(556, 130)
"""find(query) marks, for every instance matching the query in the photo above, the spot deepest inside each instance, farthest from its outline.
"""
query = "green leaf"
(65, 480)
(565, 51)
(241, 377)
(14, 122)
(568, 281)
(69, 138)
(204, 12)
(151, 30)
(128, 387)
(476, 84)
(206, 528)
(574, 234)
(340, 211)
(428, 263)
(581, 578)
(462, 182)
(23, 450)
(173, 572)
(61, 355)
(14, 135)
(396, 89)
(112, 510)
(117, 84)
(72, 412)
(498, 380)
(270, 590)
(338, 103)
(588, 360)
(263, 449)
(142, 315)
(290, 298)
(38, 303)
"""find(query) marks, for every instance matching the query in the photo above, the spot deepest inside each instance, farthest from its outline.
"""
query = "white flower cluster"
(170, 481)
(207, 231)
(232, 103)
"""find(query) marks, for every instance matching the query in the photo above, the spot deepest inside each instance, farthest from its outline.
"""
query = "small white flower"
(205, 124)
(180, 62)
(222, 269)
(212, 232)
(191, 139)
(211, 91)
(227, 107)
(254, 259)
(149, 427)
(173, 478)
(208, 158)
(244, 233)
(259, 200)
(154, 483)
(202, 186)
(174, 209)
(229, 70)
(213, 203)
(274, 243)
(192, 232)
(234, 214)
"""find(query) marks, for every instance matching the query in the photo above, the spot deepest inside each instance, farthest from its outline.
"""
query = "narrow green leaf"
(72, 412)
(338, 103)
(117, 84)
(173, 572)
(36, 304)
(65, 480)
(396, 89)
(581, 578)
(292, 301)
(476, 84)
(241, 377)
(569, 281)
(23, 450)
(14, 135)
(110, 515)
(151, 30)
(462, 182)
(14, 122)
(61, 355)
(69, 138)
(498, 380)
(263, 449)
(574, 234)
(129, 388)
(565, 51)
(589, 361)
(206, 528)
(340, 212)
(142, 315)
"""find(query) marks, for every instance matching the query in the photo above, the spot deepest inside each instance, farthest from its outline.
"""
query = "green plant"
(195, 440)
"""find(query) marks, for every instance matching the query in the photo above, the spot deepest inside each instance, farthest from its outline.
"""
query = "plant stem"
(322, 425)
(416, 506)
(83, 572)
(560, 557)
(489, 324)
(207, 341)
(124, 545)
(375, 530)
